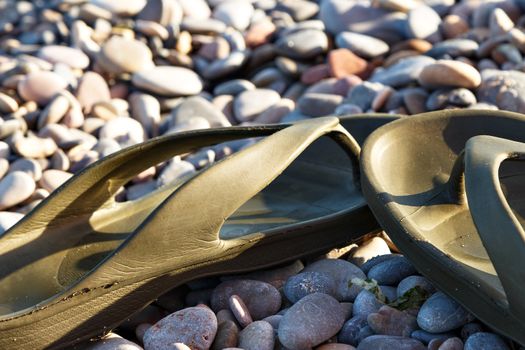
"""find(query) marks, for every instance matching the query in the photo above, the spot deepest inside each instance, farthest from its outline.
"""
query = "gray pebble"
(227, 335)
(423, 23)
(233, 87)
(366, 303)
(485, 341)
(414, 281)
(440, 313)
(259, 335)
(354, 330)
(402, 73)
(249, 104)
(168, 81)
(362, 45)
(377, 260)
(196, 106)
(305, 283)
(318, 105)
(427, 337)
(469, 329)
(226, 66)
(240, 311)
(388, 342)
(392, 271)
(362, 95)
(454, 48)
(303, 44)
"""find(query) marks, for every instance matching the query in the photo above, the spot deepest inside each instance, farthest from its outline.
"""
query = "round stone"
(440, 313)
(305, 283)
(262, 299)
(70, 56)
(448, 73)
(366, 303)
(258, 335)
(53, 178)
(34, 147)
(423, 23)
(7, 104)
(485, 341)
(343, 62)
(126, 131)
(505, 89)
(362, 45)
(197, 106)
(123, 55)
(249, 104)
(302, 44)
(168, 81)
(318, 104)
(311, 321)
(234, 13)
(15, 188)
(41, 86)
(194, 326)
(454, 48)
(392, 271)
(390, 342)
(28, 166)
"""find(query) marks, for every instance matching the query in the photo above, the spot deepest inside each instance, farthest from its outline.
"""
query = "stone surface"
(366, 303)
(440, 313)
(8, 219)
(303, 44)
(391, 271)
(227, 335)
(414, 281)
(503, 89)
(403, 72)
(318, 105)
(259, 335)
(72, 57)
(305, 283)
(168, 81)
(387, 342)
(15, 188)
(113, 342)
(41, 86)
(485, 341)
(448, 73)
(249, 104)
(121, 55)
(374, 247)
(390, 321)
(354, 330)
(362, 45)
(197, 106)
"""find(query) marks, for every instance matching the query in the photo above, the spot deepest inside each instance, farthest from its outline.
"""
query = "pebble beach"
(82, 79)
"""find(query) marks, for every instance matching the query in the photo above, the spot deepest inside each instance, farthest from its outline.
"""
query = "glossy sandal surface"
(81, 262)
(449, 189)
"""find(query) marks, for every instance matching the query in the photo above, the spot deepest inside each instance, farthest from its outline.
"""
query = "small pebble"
(259, 335)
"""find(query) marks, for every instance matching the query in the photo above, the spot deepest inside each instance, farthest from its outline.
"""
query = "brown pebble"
(41, 86)
(448, 73)
(315, 73)
(453, 26)
(92, 89)
(343, 62)
(259, 33)
(240, 311)
(227, 335)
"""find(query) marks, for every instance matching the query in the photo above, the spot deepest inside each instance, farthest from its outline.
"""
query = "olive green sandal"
(449, 189)
(80, 263)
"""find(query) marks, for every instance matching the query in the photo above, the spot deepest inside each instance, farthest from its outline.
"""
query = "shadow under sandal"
(449, 189)
(81, 263)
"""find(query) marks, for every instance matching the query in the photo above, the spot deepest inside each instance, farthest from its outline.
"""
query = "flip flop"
(448, 187)
(81, 263)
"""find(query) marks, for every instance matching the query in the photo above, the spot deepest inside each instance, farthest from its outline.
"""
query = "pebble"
(402, 73)
(52, 179)
(342, 272)
(197, 106)
(126, 131)
(366, 303)
(355, 330)
(227, 335)
(380, 342)
(392, 271)
(411, 282)
(7, 104)
(234, 13)
(426, 337)
(318, 105)
(390, 321)
(305, 283)
(503, 89)
(469, 329)
(303, 44)
(115, 56)
(15, 188)
(311, 321)
(451, 344)
(485, 341)
(193, 326)
(423, 23)
(41, 86)
(440, 313)
(259, 335)
(28, 166)
(92, 88)
(454, 48)
(175, 170)
(448, 73)
(240, 311)
(251, 103)
(113, 342)
(261, 299)
(335, 346)
(362, 45)
(233, 87)
(168, 81)
(70, 56)
(343, 62)
(121, 7)
(372, 248)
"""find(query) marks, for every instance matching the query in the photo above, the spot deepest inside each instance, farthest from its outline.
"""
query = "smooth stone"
(259, 335)
(54, 111)
(448, 73)
(426, 337)
(354, 330)
(366, 303)
(28, 166)
(226, 66)
(41, 86)
(121, 7)
(499, 22)
(122, 55)
(343, 62)
(441, 313)
(453, 26)
(389, 342)
(390, 321)
(485, 341)
(202, 26)
(274, 320)
(168, 81)
(126, 131)
(364, 94)
(52, 179)
(504, 89)
(249, 104)
(233, 87)
(442, 98)
(8, 219)
(276, 113)
(15, 188)
(92, 88)
(342, 272)
(347, 109)
(422, 23)
(234, 13)
(371, 248)
(454, 48)
(197, 106)
(164, 12)
(7, 104)
(303, 44)
(34, 147)
(139, 190)
(411, 282)
(146, 110)
(175, 170)
(70, 56)
(197, 9)
(105, 147)
(470, 329)
(240, 311)
(402, 73)
(300, 10)
(4, 167)
(305, 283)
(392, 271)
(4, 150)
(362, 45)
(318, 104)
(193, 326)
(311, 321)
(227, 335)
(390, 293)
(113, 342)
(262, 299)
(451, 344)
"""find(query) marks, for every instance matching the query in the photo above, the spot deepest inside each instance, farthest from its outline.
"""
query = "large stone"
(168, 81)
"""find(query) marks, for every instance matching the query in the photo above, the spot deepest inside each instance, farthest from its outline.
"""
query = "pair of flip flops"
(81, 261)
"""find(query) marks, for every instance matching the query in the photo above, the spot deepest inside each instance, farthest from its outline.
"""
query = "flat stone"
(440, 313)
(343, 62)
(8, 219)
(364, 94)
(371, 248)
(122, 55)
(485, 341)
(305, 283)
(234, 13)
(111, 342)
(121, 7)
(311, 321)
(249, 104)
(454, 48)
(193, 326)
(423, 23)
(504, 89)
(362, 45)
(92, 89)
(411, 282)
(202, 26)
(443, 98)
(342, 272)
(392, 271)
(390, 321)
(500, 22)
(262, 299)
(448, 73)
(41, 86)
(258, 335)
(380, 342)
(318, 104)
(70, 56)
(355, 330)
(52, 179)
(34, 147)
(15, 188)
(197, 106)
(303, 44)
(402, 73)
(168, 81)
(366, 303)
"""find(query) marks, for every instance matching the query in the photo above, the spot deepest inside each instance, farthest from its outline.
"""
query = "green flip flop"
(81, 263)
(449, 189)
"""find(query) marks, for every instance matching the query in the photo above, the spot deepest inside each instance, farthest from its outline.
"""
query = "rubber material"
(81, 263)
(448, 188)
